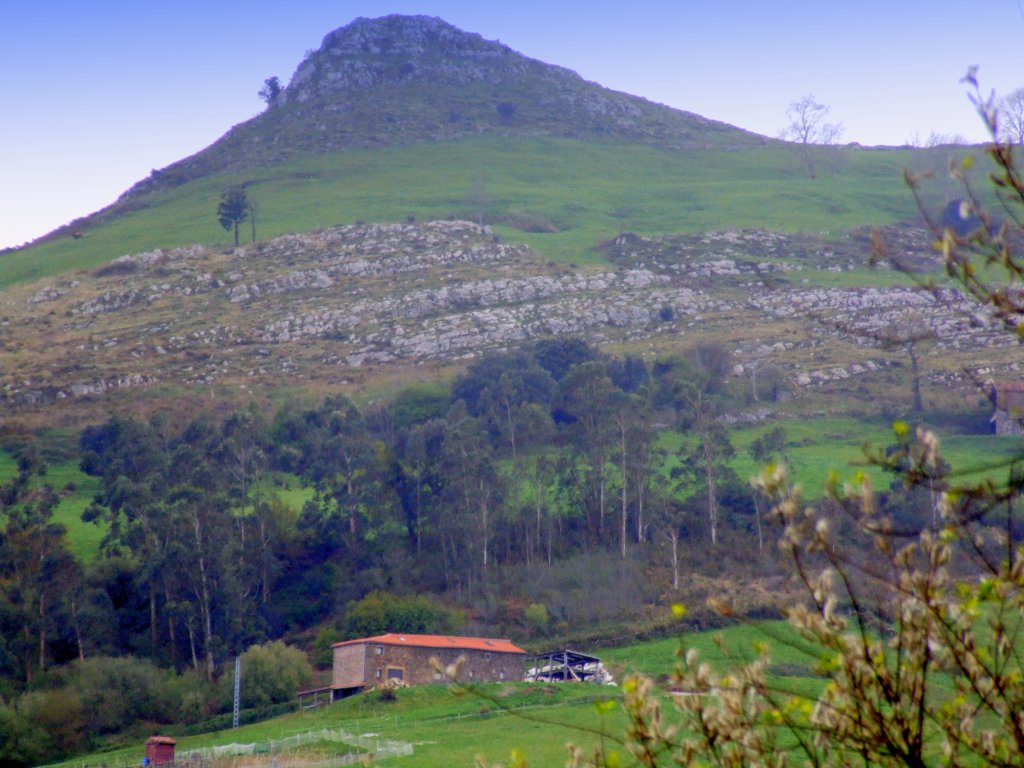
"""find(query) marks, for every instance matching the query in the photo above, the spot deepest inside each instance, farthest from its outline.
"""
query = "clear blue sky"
(96, 94)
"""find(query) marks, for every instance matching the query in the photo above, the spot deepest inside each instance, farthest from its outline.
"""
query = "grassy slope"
(84, 538)
(76, 490)
(590, 191)
(450, 730)
(740, 642)
(445, 729)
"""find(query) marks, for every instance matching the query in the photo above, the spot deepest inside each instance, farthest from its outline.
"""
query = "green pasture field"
(589, 191)
(446, 729)
(817, 448)
(733, 645)
(538, 720)
(289, 490)
(792, 658)
(8, 466)
(76, 490)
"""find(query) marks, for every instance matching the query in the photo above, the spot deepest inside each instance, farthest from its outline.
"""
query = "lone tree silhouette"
(234, 208)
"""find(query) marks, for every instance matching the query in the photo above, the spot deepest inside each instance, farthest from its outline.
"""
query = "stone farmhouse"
(405, 659)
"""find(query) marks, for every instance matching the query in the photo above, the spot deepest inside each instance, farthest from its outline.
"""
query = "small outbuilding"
(564, 666)
(404, 659)
(159, 751)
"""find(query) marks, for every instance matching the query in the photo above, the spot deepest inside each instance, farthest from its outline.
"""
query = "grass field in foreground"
(448, 730)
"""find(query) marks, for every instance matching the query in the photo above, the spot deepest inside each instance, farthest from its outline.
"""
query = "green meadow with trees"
(834, 583)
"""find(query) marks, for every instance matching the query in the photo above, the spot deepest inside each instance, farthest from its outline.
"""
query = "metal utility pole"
(238, 692)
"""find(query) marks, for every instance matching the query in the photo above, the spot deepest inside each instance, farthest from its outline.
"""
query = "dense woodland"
(530, 496)
(533, 496)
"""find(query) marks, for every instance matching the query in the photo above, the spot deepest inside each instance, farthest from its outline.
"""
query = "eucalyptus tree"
(37, 576)
(340, 458)
(418, 479)
(131, 458)
(694, 386)
(473, 491)
(582, 405)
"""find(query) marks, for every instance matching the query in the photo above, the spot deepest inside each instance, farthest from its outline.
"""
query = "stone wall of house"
(349, 666)
(413, 664)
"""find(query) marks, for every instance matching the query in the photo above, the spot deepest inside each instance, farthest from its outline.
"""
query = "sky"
(97, 94)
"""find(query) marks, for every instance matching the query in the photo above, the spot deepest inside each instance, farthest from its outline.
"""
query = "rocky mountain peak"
(407, 79)
(370, 53)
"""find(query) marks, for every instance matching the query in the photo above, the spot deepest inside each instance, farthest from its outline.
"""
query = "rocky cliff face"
(371, 53)
(346, 305)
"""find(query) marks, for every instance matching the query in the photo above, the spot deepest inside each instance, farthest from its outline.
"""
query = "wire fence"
(363, 743)
(275, 753)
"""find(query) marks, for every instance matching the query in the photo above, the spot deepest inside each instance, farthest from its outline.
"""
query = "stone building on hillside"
(405, 659)
(1009, 402)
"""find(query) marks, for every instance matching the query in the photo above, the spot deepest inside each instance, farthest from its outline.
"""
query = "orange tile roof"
(439, 641)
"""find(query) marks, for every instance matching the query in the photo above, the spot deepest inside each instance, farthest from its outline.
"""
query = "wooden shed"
(406, 659)
(160, 751)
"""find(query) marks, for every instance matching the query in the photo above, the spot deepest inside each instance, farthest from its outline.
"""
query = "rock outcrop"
(321, 306)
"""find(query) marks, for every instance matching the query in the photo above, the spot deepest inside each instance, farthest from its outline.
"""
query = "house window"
(378, 674)
(501, 675)
(379, 650)
(396, 673)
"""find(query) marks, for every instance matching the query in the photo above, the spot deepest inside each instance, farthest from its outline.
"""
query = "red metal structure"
(159, 751)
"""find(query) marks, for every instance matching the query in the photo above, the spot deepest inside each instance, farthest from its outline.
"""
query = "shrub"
(381, 612)
(272, 673)
(506, 110)
(537, 617)
(42, 726)
(120, 691)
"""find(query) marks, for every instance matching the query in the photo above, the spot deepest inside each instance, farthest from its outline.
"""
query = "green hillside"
(451, 728)
(586, 191)
(498, 363)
